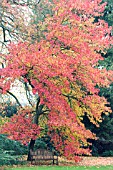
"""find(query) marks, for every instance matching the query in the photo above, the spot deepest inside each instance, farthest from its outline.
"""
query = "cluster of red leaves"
(21, 128)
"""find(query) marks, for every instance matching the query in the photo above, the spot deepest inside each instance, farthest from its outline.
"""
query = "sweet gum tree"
(62, 68)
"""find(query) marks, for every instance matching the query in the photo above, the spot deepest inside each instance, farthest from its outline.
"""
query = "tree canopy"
(62, 68)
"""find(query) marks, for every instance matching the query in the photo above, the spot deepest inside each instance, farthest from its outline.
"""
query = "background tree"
(20, 20)
(103, 146)
(108, 17)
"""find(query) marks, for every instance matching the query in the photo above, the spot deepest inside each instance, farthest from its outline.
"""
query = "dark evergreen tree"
(103, 146)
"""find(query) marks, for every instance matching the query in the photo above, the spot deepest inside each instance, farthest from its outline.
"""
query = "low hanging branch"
(14, 98)
(10, 93)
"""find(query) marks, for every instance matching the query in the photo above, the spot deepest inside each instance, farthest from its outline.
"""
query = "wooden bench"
(43, 155)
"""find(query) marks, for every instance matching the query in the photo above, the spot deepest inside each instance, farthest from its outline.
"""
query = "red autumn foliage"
(21, 127)
(63, 70)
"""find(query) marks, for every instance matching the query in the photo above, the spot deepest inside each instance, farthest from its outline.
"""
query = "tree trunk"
(31, 146)
(35, 120)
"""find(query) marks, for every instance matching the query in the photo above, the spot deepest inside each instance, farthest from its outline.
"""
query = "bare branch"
(14, 97)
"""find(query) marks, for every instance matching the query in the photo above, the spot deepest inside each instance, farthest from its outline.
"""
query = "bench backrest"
(42, 154)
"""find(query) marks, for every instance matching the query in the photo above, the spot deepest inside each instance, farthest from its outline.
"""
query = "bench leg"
(31, 162)
(53, 161)
(57, 161)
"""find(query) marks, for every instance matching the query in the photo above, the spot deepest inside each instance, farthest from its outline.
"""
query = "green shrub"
(108, 153)
(40, 144)
(11, 152)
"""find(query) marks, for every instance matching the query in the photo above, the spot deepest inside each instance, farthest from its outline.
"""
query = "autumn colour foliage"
(63, 69)
(20, 125)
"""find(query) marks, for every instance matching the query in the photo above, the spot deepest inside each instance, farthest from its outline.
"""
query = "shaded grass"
(63, 168)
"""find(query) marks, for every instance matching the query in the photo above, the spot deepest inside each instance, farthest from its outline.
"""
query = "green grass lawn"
(63, 168)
